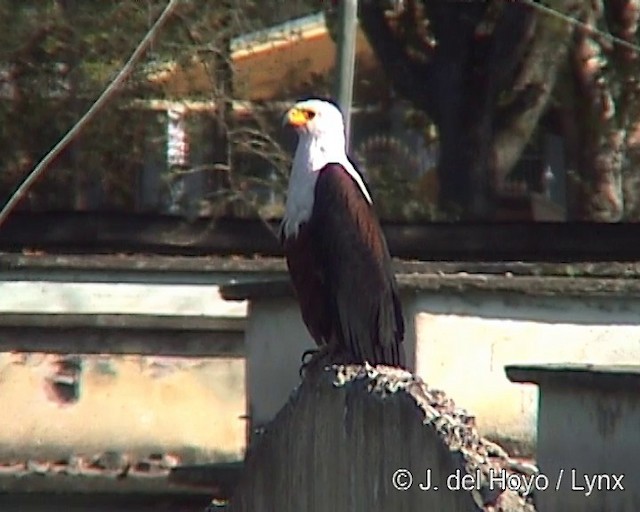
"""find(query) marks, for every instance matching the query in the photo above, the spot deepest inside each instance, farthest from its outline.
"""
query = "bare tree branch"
(522, 107)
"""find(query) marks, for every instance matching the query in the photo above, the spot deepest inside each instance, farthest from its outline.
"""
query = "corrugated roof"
(282, 30)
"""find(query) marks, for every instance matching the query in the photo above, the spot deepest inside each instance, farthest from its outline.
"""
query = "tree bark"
(485, 82)
(607, 110)
(532, 87)
(623, 17)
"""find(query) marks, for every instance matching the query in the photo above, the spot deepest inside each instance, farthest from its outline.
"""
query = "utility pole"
(346, 58)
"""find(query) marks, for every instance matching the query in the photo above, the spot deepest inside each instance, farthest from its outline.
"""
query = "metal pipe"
(346, 59)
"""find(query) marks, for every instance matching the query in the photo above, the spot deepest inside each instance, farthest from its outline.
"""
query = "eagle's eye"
(309, 114)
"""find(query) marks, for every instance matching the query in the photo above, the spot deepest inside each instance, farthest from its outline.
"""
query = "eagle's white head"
(321, 141)
(317, 118)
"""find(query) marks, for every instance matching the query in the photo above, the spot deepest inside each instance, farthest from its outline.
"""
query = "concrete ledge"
(57, 501)
(130, 485)
(135, 268)
(203, 476)
(216, 479)
(191, 336)
(462, 282)
(271, 289)
(601, 377)
(123, 321)
(18, 265)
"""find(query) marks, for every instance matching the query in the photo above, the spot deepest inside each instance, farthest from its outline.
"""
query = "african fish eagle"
(336, 253)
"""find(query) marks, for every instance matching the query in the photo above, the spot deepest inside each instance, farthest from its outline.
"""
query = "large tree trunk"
(600, 139)
(624, 16)
(484, 72)
(605, 110)
(631, 176)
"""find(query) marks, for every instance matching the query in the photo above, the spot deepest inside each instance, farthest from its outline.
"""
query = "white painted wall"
(465, 341)
(130, 298)
(275, 339)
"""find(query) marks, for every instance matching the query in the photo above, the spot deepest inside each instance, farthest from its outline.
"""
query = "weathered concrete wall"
(275, 338)
(191, 407)
(191, 404)
(588, 435)
(466, 340)
(594, 440)
(460, 343)
(132, 404)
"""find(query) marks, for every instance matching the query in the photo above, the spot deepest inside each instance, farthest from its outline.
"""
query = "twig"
(108, 93)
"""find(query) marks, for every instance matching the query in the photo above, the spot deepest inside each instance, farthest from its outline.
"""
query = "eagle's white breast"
(310, 158)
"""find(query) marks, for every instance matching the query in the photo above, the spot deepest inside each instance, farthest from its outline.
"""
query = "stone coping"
(465, 282)
(156, 263)
(611, 377)
(266, 277)
(123, 321)
(138, 262)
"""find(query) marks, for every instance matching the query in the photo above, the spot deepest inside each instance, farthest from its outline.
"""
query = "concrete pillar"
(588, 436)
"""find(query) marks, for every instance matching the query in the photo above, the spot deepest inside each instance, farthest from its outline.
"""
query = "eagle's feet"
(312, 359)
(308, 355)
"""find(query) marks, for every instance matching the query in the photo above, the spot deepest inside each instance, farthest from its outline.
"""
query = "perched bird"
(336, 253)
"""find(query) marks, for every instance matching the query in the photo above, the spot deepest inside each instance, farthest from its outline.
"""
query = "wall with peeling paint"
(196, 406)
(71, 409)
(192, 408)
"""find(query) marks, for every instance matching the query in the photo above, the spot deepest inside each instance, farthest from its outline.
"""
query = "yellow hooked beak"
(298, 116)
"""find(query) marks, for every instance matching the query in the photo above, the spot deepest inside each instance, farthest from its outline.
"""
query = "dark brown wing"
(309, 284)
(362, 298)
